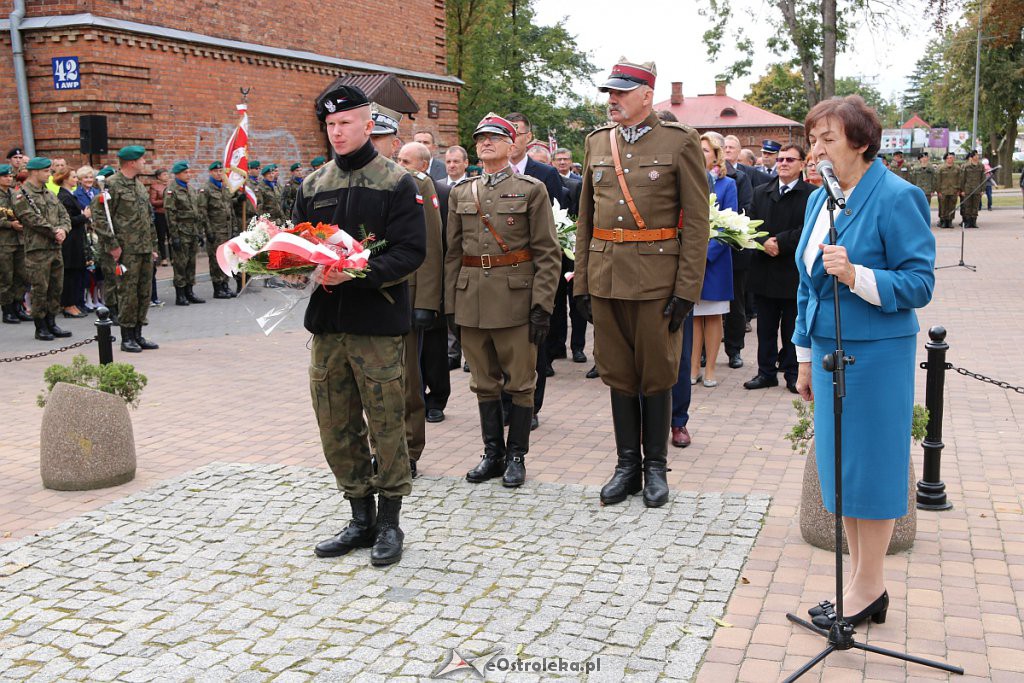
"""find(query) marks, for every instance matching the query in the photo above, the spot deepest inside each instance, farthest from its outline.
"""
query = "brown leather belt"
(486, 261)
(626, 235)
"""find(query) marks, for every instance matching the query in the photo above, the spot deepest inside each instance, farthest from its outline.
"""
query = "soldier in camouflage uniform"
(947, 186)
(216, 208)
(923, 176)
(358, 324)
(267, 199)
(131, 242)
(291, 190)
(12, 250)
(46, 225)
(184, 227)
(316, 163)
(972, 184)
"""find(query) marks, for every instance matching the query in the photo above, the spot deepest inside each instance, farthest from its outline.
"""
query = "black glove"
(582, 303)
(676, 312)
(176, 243)
(540, 325)
(423, 318)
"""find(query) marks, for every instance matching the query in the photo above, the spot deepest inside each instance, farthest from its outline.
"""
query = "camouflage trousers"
(947, 207)
(349, 376)
(44, 270)
(970, 206)
(183, 261)
(214, 240)
(12, 273)
(134, 289)
(110, 280)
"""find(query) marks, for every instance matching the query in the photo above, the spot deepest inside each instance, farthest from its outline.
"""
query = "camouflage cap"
(131, 152)
(385, 121)
(627, 75)
(38, 164)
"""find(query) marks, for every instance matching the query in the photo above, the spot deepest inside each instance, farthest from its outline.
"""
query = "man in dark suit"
(436, 170)
(757, 176)
(564, 311)
(773, 273)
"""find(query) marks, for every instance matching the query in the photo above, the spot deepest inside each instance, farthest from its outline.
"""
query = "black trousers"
(564, 313)
(773, 316)
(434, 367)
(736, 319)
(162, 235)
(73, 293)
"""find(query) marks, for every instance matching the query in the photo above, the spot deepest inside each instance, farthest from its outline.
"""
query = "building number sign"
(66, 75)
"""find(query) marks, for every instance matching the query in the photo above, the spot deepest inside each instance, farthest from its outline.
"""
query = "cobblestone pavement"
(211, 577)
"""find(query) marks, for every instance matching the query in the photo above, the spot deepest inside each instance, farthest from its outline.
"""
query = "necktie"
(783, 190)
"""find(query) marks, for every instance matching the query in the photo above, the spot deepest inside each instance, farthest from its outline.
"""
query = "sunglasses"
(788, 160)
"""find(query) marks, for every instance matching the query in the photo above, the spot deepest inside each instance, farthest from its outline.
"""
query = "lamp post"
(977, 81)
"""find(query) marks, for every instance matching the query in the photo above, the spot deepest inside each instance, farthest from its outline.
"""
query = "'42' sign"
(66, 75)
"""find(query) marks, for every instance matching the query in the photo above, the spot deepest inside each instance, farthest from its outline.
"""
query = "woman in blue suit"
(884, 259)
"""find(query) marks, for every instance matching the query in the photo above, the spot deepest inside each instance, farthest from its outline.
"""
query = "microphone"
(831, 183)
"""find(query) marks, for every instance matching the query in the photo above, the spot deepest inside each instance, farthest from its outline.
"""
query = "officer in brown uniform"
(424, 284)
(947, 186)
(501, 272)
(641, 245)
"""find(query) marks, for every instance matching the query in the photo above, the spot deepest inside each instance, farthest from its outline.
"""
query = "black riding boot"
(179, 297)
(51, 324)
(360, 532)
(191, 296)
(128, 343)
(144, 343)
(492, 462)
(519, 420)
(42, 331)
(627, 479)
(657, 421)
(10, 316)
(387, 549)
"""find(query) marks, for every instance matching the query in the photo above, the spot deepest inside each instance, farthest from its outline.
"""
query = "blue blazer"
(718, 270)
(885, 227)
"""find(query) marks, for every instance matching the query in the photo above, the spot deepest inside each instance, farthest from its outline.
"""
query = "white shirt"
(789, 185)
(519, 168)
(864, 284)
(457, 180)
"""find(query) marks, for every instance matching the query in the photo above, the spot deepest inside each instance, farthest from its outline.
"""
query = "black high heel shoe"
(876, 611)
(821, 607)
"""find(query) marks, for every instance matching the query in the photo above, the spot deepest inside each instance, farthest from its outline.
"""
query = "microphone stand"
(840, 636)
(961, 264)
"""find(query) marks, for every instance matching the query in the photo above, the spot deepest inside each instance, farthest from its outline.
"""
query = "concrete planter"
(86, 441)
(818, 525)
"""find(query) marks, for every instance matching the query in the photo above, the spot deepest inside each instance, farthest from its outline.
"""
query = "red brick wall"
(179, 100)
(10, 124)
(406, 34)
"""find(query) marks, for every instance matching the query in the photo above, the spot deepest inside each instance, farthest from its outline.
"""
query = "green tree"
(780, 91)
(509, 63)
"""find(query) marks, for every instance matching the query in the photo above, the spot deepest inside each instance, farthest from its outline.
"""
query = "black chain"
(51, 352)
(998, 382)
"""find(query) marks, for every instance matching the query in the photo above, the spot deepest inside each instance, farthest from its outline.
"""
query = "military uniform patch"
(653, 175)
(598, 175)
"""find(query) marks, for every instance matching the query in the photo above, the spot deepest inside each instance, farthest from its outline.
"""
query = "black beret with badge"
(342, 98)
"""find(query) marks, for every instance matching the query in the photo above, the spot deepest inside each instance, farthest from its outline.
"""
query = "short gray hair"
(460, 149)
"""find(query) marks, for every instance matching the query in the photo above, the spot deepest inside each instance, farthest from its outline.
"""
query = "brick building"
(729, 116)
(167, 75)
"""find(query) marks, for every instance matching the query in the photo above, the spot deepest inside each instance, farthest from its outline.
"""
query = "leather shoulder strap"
(485, 220)
(622, 182)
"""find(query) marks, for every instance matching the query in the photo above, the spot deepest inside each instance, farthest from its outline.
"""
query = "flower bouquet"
(733, 229)
(565, 229)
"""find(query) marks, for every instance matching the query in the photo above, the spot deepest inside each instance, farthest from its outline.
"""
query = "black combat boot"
(51, 324)
(221, 291)
(492, 462)
(518, 446)
(238, 284)
(179, 297)
(360, 532)
(42, 330)
(657, 424)
(128, 343)
(143, 343)
(627, 479)
(10, 316)
(191, 296)
(387, 548)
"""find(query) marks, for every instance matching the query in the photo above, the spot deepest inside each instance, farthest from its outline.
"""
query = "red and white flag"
(552, 143)
(236, 156)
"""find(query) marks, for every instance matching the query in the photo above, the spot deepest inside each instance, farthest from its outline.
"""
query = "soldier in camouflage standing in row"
(923, 176)
(130, 241)
(216, 208)
(267, 200)
(947, 186)
(972, 184)
(291, 190)
(12, 250)
(184, 228)
(46, 225)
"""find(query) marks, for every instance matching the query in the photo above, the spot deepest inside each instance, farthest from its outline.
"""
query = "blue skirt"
(877, 413)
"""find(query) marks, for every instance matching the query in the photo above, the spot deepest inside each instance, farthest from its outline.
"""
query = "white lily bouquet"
(733, 229)
(565, 229)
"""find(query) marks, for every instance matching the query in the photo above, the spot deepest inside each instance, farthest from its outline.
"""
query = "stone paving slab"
(210, 577)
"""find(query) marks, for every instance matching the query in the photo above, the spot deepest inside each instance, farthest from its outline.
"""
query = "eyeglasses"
(788, 160)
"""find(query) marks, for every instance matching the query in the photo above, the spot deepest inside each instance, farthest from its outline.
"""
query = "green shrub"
(120, 379)
(803, 431)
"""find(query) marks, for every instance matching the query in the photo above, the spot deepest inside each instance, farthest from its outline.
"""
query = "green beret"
(254, 164)
(5, 169)
(268, 168)
(179, 167)
(106, 171)
(38, 163)
(131, 152)
(317, 161)
(295, 167)
(215, 165)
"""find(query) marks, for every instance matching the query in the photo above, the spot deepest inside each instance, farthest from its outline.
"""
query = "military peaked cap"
(770, 146)
(385, 121)
(492, 123)
(627, 75)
